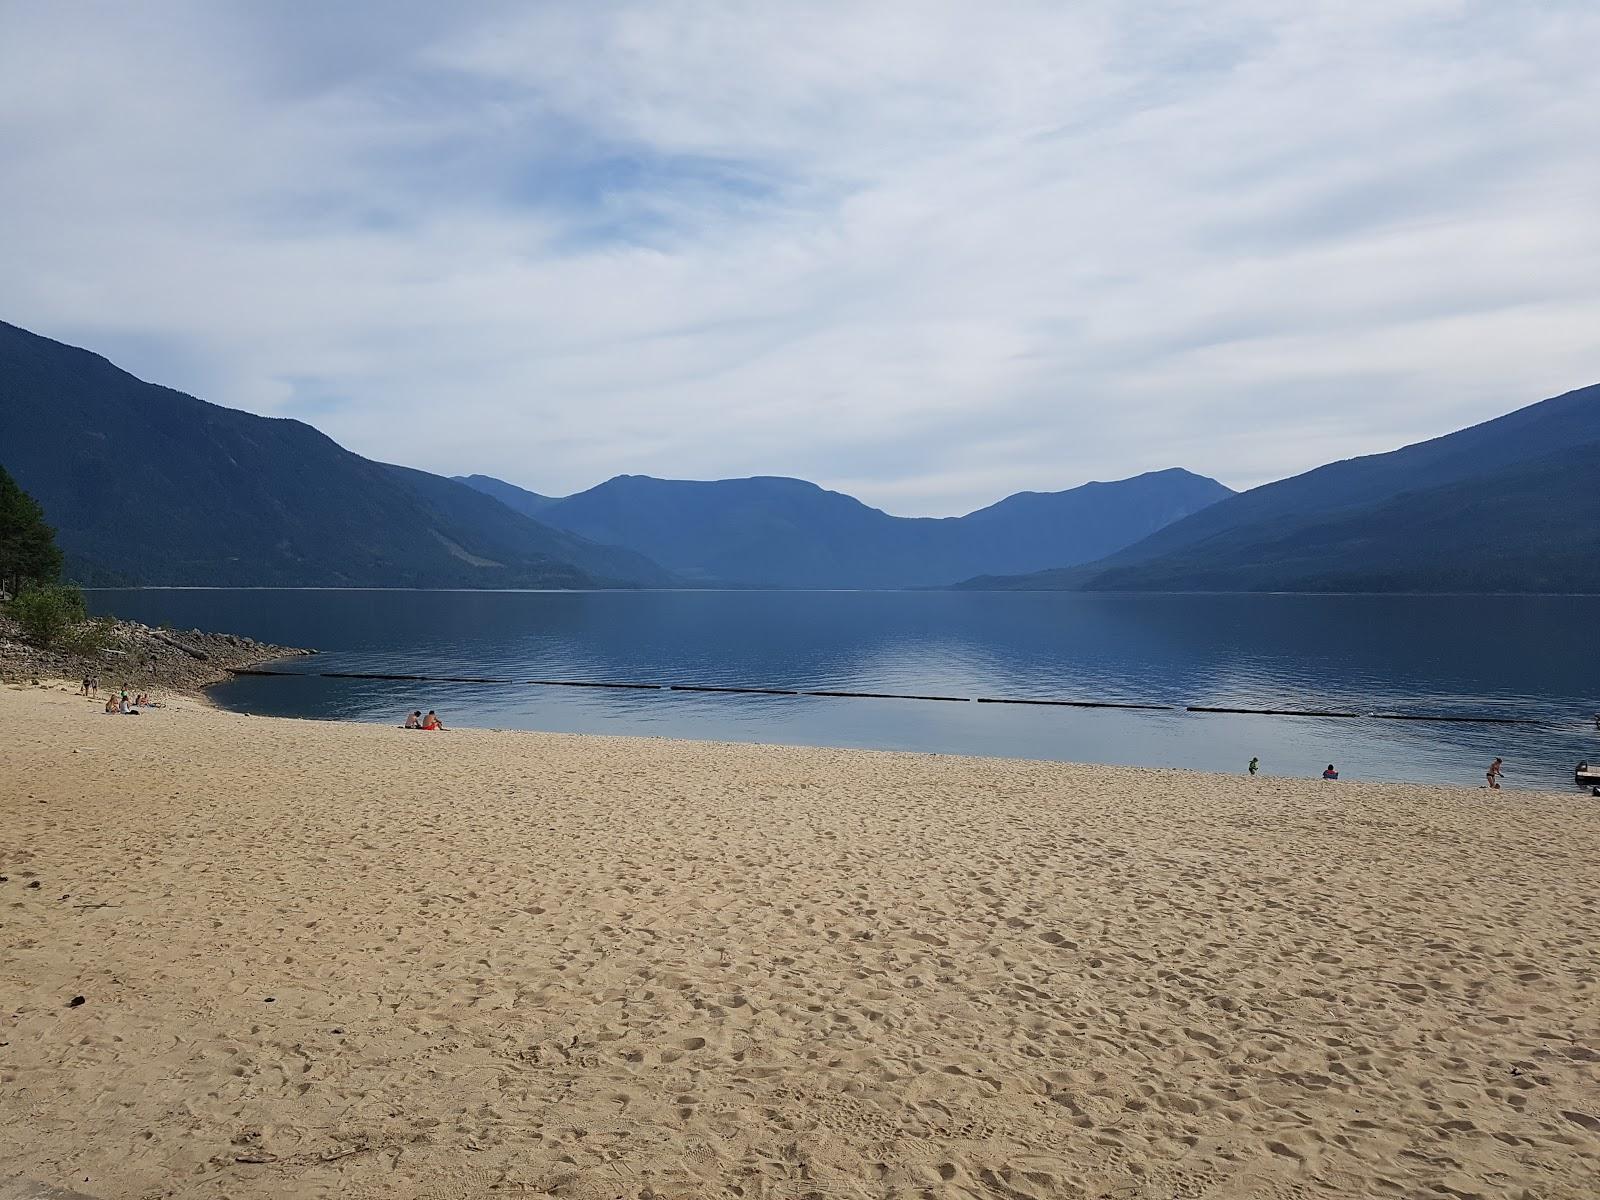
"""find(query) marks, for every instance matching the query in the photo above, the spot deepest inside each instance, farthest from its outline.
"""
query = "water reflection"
(1359, 653)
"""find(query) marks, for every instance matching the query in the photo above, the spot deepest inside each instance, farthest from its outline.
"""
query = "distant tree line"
(28, 552)
(30, 568)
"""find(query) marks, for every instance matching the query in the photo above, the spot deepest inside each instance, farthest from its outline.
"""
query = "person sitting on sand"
(123, 706)
(414, 721)
(1495, 772)
(111, 704)
(141, 700)
(431, 721)
(1330, 773)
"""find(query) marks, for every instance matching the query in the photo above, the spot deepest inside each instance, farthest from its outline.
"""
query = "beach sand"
(341, 960)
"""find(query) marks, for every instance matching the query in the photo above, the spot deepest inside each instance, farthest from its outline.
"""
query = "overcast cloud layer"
(925, 253)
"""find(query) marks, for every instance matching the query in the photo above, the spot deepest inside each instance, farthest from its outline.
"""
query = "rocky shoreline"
(137, 656)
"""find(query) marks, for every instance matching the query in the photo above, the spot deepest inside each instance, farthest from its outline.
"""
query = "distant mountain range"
(776, 532)
(147, 485)
(1510, 505)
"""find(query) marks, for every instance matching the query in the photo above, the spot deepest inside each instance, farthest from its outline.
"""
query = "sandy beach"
(341, 960)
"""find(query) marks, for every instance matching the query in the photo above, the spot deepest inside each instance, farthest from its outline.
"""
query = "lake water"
(1526, 657)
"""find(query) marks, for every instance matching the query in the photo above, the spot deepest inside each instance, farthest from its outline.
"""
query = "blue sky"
(927, 253)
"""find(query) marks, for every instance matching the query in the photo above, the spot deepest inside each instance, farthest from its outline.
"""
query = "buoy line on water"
(835, 694)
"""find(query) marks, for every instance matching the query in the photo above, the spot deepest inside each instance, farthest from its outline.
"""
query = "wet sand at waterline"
(342, 960)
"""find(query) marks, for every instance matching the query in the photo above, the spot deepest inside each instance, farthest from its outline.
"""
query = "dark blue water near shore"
(1528, 657)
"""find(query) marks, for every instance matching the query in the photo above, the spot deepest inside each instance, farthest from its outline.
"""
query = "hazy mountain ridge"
(780, 532)
(529, 504)
(1511, 504)
(150, 485)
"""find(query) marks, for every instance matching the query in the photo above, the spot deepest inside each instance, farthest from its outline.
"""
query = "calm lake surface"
(1527, 657)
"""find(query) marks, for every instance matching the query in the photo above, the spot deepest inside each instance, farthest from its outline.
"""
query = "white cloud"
(927, 253)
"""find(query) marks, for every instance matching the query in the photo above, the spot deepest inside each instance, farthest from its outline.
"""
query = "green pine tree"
(28, 551)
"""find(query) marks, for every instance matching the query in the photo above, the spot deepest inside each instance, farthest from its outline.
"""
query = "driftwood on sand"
(177, 645)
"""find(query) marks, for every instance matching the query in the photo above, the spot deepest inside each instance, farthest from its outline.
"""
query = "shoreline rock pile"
(137, 655)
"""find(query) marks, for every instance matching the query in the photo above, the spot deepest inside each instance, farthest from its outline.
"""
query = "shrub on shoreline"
(48, 612)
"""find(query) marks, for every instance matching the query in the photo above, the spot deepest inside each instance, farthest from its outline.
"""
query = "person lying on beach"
(431, 721)
(414, 721)
(1330, 773)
